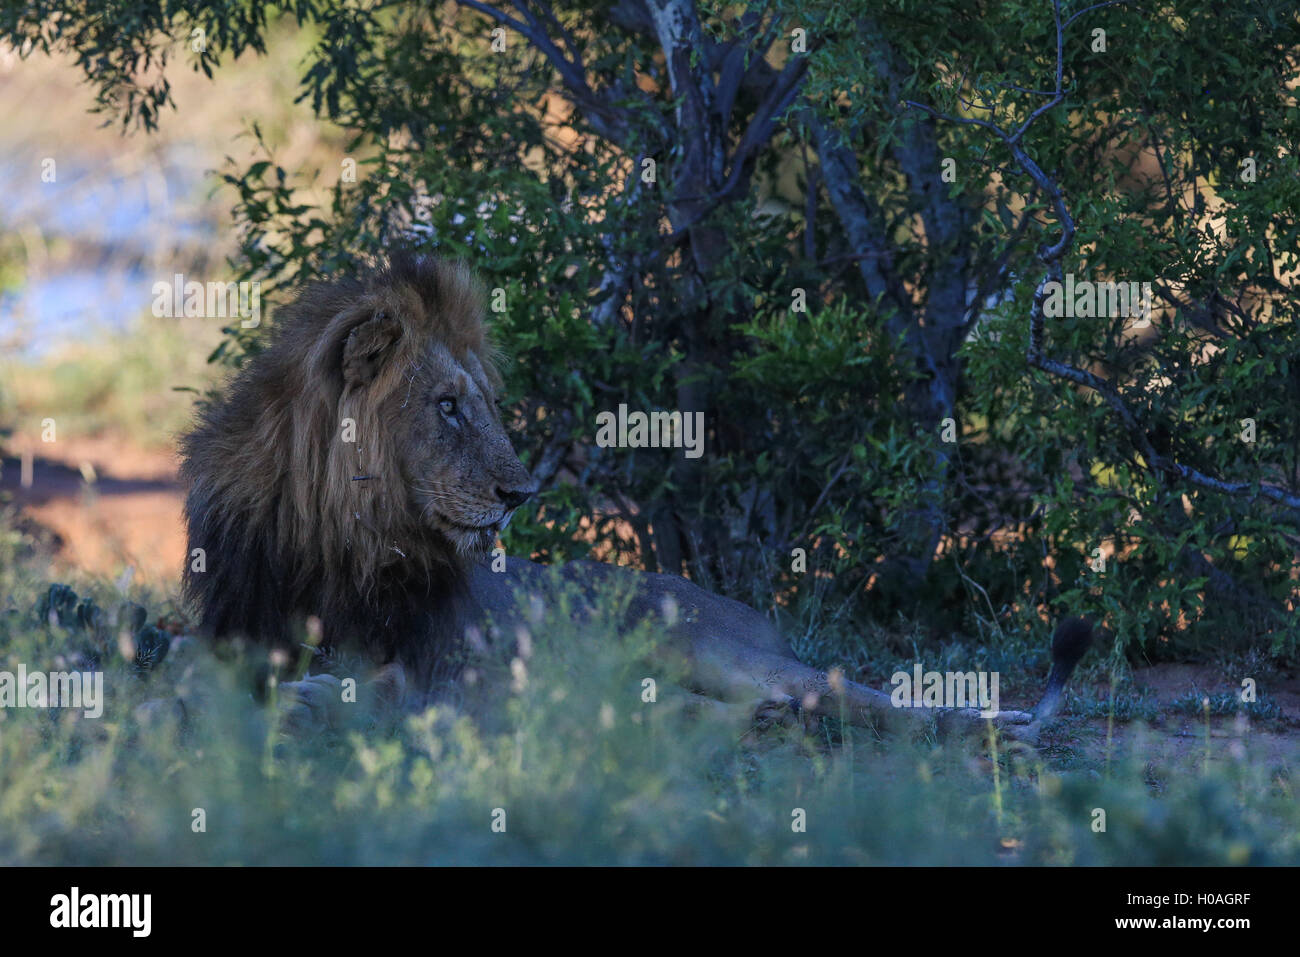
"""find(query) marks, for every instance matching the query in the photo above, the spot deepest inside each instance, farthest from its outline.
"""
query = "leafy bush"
(652, 212)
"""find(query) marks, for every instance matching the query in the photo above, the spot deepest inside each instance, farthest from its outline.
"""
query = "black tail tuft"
(1072, 639)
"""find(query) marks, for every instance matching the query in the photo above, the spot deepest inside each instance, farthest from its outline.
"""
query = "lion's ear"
(368, 347)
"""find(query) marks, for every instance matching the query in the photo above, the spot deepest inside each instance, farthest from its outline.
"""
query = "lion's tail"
(1072, 639)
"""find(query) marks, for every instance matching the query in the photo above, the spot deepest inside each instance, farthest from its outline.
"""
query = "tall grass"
(583, 769)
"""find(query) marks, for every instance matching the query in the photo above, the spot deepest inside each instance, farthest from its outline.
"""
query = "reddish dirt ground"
(102, 521)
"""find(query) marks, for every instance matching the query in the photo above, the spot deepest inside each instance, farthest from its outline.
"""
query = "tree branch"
(1051, 257)
(608, 121)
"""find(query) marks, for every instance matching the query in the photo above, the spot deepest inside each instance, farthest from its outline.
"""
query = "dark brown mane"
(285, 526)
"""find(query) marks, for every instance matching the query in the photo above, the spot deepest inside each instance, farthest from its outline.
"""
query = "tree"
(823, 224)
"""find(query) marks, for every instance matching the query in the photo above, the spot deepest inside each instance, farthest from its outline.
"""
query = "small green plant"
(1223, 703)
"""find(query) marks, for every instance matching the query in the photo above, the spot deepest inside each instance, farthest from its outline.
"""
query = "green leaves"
(819, 427)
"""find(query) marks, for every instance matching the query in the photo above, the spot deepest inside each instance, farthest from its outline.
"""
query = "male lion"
(357, 470)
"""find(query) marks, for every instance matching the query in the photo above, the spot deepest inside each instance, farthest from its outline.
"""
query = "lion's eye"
(448, 405)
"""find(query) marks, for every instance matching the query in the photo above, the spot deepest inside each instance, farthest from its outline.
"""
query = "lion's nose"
(514, 497)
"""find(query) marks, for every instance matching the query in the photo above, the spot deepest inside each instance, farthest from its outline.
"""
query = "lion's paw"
(311, 705)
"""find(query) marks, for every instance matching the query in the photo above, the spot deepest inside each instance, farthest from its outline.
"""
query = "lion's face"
(412, 356)
(463, 475)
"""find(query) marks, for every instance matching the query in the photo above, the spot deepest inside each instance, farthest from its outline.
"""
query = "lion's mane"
(294, 520)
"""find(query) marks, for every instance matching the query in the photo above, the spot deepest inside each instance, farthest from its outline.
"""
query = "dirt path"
(103, 522)
(1175, 742)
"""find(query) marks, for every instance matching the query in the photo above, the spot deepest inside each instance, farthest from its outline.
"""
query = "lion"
(357, 471)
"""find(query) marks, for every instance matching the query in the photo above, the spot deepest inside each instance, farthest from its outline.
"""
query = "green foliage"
(823, 430)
